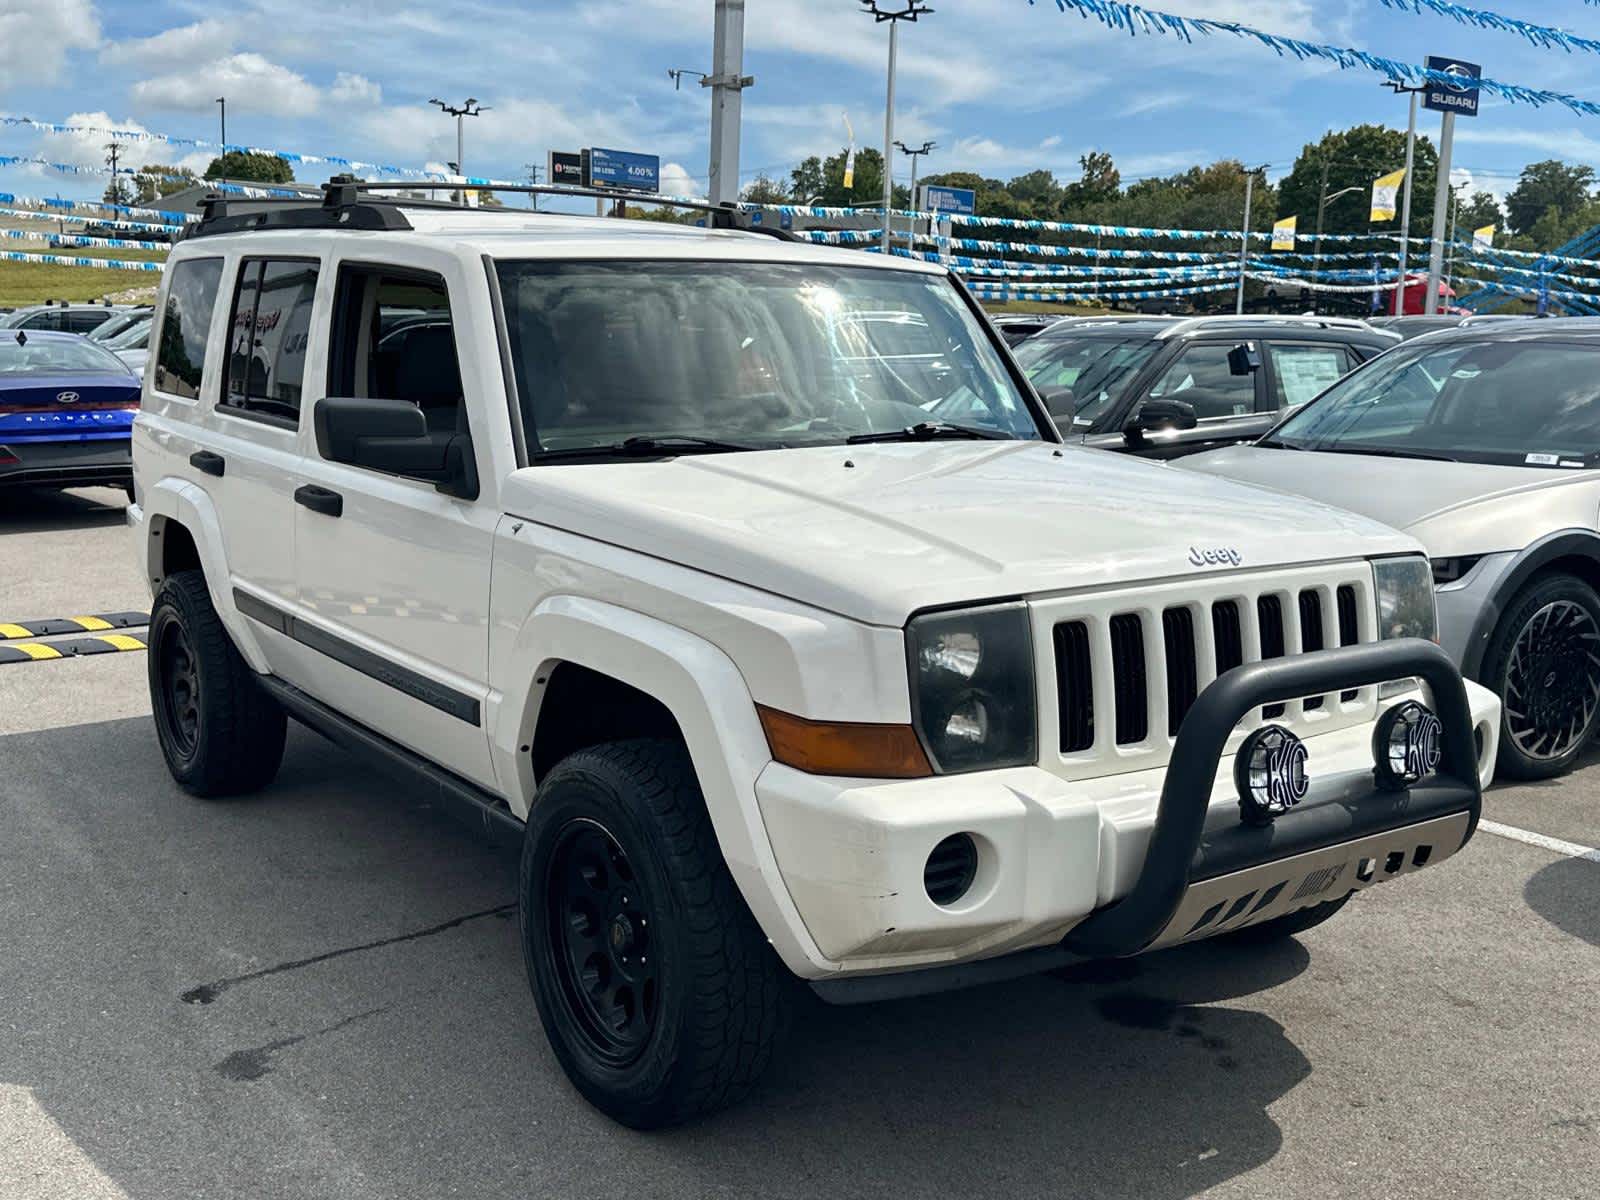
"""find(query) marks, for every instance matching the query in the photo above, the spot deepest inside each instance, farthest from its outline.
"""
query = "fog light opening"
(951, 869)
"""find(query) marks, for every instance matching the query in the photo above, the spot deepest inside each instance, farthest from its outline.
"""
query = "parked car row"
(750, 587)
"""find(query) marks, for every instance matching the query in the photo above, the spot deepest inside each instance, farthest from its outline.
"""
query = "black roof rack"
(360, 204)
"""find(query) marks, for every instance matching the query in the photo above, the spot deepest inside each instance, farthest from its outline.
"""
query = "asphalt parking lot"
(317, 991)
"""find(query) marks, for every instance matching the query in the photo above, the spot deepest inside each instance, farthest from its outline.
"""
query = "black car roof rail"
(360, 204)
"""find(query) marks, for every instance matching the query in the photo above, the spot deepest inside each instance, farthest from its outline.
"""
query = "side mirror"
(1059, 402)
(1244, 359)
(393, 436)
(1157, 414)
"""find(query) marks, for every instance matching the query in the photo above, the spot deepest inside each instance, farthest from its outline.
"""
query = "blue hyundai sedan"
(66, 412)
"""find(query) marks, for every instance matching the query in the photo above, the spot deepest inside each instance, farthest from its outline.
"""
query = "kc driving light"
(1270, 774)
(972, 689)
(1406, 746)
(1405, 598)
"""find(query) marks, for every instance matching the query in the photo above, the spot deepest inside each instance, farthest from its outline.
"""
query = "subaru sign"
(1461, 95)
(625, 170)
(937, 199)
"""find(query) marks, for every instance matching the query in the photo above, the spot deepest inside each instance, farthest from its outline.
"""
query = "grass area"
(33, 283)
(1033, 306)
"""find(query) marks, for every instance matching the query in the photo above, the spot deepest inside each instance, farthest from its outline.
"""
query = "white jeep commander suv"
(746, 584)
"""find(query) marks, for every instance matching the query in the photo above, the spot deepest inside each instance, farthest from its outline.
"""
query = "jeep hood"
(1451, 507)
(877, 532)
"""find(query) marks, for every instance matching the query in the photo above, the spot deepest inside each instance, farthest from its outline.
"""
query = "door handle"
(319, 499)
(204, 460)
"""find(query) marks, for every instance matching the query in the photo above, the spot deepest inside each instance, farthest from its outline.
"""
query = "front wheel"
(660, 996)
(1544, 661)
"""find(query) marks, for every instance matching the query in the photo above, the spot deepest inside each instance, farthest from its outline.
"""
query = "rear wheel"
(659, 994)
(1544, 661)
(220, 732)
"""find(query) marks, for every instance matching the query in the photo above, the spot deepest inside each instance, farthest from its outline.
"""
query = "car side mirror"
(1159, 414)
(1244, 359)
(393, 436)
(1059, 402)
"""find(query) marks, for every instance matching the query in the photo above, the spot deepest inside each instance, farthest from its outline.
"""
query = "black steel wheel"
(220, 732)
(599, 923)
(657, 989)
(1545, 663)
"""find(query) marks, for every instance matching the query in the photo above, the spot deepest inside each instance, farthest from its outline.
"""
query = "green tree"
(1101, 182)
(155, 180)
(1353, 158)
(1039, 192)
(806, 180)
(1476, 211)
(118, 191)
(763, 189)
(1546, 185)
(251, 167)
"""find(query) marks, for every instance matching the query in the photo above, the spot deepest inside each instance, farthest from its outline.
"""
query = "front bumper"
(1130, 862)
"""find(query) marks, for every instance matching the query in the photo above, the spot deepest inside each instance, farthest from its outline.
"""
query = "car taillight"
(7, 458)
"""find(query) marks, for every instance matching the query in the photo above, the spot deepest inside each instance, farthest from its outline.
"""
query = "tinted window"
(1202, 377)
(762, 354)
(185, 323)
(1097, 370)
(49, 319)
(1301, 373)
(393, 340)
(269, 333)
(1517, 403)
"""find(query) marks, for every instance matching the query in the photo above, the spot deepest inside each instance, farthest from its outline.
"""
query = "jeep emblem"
(1214, 556)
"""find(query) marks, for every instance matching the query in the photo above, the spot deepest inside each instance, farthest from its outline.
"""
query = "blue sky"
(1002, 86)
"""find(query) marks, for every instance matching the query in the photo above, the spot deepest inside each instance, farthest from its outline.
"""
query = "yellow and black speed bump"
(52, 626)
(108, 643)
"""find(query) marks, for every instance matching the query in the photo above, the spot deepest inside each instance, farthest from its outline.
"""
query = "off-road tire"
(225, 734)
(1570, 667)
(1286, 926)
(719, 991)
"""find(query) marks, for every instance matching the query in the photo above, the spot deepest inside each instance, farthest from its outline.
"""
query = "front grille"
(1128, 675)
(1148, 680)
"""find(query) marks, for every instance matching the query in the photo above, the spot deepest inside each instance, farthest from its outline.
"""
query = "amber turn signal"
(830, 748)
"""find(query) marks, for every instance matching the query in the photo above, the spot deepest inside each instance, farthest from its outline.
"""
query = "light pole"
(925, 148)
(1322, 206)
(222, 103)
(910, 12)
(460, 111)
(1405, 202)
(1244, 235)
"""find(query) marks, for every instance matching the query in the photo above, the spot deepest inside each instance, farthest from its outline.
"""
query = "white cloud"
(87, 148)
(36, 36)
(676, 181)
(172, 48)
(248, 79)
(355, 89)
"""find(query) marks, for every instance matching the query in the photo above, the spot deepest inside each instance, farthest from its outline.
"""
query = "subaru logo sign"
(66, 397)
(1452, 86)
(1270, 774)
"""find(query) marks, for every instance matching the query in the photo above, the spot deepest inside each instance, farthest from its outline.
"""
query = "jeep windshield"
(698, 357)
(1097, 368)
(1529, 403)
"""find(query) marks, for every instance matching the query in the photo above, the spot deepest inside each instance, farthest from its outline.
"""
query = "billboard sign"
(566, 168)
(937, 199)
(1459, 96)
(624, 170)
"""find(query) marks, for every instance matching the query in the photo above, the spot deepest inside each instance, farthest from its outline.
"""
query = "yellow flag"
(849, 154)
(1483, 239)
(1384, 191)
(1283, 233)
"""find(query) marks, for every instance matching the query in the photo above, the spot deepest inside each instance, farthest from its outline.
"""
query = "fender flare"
(1564, 543)
(711, 703)
(175, 499)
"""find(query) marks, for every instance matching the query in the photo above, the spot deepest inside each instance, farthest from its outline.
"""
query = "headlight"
(972, 687)
(1405, 598)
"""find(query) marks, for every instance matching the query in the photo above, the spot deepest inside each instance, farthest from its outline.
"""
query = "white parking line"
(1570, 849)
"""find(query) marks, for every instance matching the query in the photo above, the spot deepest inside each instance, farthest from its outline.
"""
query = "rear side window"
(1301, 373)
(49, 319)
(268, 336)
(185, 322)
(82, 320)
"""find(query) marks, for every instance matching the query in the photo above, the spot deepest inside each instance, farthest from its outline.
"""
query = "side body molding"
(712, 705)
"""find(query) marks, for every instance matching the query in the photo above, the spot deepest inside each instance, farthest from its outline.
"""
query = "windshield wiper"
(928, 431)
(1278, 444)
(1384, 452)
(647, 446)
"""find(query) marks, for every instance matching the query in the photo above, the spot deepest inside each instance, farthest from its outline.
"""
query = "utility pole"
(910, 12)
(925, 148)
(222, 103)
(1441, 201)
(1405, 193)
(460, 112)
(114, 192)
(533, 177)
(1244, 235)
(727, 82)
(1322, 204)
